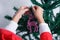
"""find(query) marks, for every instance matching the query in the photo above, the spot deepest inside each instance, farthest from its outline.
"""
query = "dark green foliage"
(57, 24)
(16, 9)
(8, 17)
(23, 23)
(47, 4)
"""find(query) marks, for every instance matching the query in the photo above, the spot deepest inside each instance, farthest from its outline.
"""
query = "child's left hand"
(19, 13)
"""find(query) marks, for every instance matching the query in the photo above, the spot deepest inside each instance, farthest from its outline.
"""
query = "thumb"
(33, 8)
(26, 10)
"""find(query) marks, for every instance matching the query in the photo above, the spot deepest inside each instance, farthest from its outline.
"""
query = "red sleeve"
(46, 36)
(7, 35)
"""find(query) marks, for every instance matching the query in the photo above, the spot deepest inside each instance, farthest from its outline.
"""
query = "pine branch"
(16, 9)
(36, 3)
(8, 17)
(54, 5)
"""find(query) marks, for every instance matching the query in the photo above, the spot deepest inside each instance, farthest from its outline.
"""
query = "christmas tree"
(26, 26)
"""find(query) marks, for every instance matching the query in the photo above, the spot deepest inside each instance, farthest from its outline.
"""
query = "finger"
(24, 7)
(33, 8)
(40, 8)
(37, 6)
(26, 10)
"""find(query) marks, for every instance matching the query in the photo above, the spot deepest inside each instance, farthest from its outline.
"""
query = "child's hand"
(38, 12)
(19, 13)
(22, 10)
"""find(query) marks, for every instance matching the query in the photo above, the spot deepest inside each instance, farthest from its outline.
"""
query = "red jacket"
(7, 35)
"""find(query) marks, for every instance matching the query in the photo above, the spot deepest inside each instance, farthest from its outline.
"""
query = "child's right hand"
(38, 12)
(19, 13)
